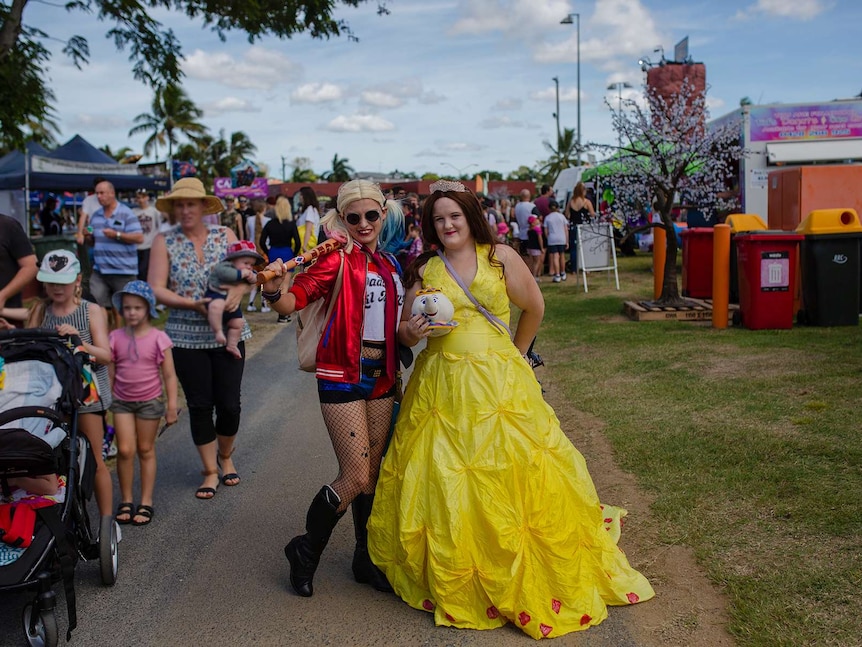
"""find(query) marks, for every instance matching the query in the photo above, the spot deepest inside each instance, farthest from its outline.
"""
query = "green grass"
(749, 441)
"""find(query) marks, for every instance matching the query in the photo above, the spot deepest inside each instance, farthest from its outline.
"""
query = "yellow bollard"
(659, 255)
(720, 275)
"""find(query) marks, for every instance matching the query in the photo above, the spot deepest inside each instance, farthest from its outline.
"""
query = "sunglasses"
(355, 218)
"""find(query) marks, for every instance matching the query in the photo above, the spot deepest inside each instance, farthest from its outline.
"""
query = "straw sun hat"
(190, 188)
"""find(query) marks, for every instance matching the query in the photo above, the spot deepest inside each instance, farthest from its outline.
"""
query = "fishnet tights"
(358, 433)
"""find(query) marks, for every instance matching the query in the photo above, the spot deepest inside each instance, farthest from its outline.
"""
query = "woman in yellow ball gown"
(485, 512)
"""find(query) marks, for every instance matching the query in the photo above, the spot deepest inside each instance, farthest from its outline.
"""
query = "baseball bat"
(327, 246)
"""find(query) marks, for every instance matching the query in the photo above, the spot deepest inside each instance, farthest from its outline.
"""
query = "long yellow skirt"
(485, 512)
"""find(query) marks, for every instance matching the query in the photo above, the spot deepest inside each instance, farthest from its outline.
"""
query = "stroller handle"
(36, 333)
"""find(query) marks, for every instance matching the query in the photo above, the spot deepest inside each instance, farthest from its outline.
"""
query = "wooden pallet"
(694, 310)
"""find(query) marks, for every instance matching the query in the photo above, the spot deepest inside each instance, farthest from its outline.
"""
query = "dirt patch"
(687, 609)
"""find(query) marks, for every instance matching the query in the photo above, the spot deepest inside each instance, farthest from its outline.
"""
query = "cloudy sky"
(452, 86)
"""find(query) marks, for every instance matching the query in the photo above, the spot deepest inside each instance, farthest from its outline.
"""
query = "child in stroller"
(46, 478)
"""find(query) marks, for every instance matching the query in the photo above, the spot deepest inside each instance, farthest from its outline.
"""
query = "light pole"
(568, 21)
(619, 86)
(557, 113)
(461, 170)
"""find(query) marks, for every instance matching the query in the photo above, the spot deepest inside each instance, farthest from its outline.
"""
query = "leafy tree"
(670, 154)
(521, 174)
(172, 113)
(153, 49)
(341, 170)
(491, 175)
(302, 170)
(430, 177)
(25, 107)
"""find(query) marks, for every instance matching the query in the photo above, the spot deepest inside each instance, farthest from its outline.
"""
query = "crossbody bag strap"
(498, 323)
(339, 279)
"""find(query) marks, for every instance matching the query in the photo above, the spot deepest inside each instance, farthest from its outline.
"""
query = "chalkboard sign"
(596, 250)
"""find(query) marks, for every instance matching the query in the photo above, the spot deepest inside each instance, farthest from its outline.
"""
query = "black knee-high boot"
(364, 570)
(303, 552)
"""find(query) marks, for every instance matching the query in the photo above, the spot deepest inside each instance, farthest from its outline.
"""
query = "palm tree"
(239, 147)
(172, 113)
(119, 155)
(341, 170)
(564, 156)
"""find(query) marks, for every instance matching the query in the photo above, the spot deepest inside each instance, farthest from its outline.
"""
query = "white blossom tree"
(668, 155)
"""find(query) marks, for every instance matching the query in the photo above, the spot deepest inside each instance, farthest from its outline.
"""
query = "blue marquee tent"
(71, 167)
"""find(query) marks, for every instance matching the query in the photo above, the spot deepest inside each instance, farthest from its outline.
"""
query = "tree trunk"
(670, 289)
(11, 27)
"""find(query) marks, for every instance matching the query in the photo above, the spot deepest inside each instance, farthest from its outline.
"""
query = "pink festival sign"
(795, 122)
(223, 186)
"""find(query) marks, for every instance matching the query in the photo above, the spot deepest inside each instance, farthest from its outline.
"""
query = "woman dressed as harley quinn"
(357, 360)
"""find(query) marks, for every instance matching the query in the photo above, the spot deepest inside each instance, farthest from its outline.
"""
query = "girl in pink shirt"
(142, 371)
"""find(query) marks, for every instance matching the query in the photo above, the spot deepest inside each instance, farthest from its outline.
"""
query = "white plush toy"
(437, 308)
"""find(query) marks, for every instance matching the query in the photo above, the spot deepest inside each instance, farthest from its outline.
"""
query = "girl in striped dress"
(65, 311)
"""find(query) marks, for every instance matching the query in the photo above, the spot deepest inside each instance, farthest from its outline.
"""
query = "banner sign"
(183, 169)
(244, 173)
(40, 164)
(259, 188)
(804, 122)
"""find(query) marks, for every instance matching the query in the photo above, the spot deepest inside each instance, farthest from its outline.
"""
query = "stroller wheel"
(41, 628)
(109, 558)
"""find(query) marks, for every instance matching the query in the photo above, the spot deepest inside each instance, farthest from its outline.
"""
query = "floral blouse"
(187, 277)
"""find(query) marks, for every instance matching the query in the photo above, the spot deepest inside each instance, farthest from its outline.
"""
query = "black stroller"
(42, 537)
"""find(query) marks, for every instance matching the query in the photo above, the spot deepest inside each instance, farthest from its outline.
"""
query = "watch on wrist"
(118, 235)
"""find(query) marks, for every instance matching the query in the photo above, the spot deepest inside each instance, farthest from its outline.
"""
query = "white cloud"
(618, 29)
(461, 147)
(431, 97)
(566, 94)
(229, 104)
(398, 93)
(502, 121)
(799, 9)
(359, 124)
(108, 122)
(380, 99)
(316, 93)
(510, 16)
(714, 103)
(508, 104)
(258, 69)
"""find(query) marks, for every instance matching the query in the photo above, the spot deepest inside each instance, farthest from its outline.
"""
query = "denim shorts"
(146, 410)
(371, 372)
(556, 249)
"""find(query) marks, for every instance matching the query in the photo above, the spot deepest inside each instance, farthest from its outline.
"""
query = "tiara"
(447, 185)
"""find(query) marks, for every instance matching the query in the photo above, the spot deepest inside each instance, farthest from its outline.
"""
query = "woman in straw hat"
(180, 262)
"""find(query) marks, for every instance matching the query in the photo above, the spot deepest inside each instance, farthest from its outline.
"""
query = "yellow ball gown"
(485, 512)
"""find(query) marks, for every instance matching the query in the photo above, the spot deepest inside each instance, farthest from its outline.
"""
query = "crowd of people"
(481, 512)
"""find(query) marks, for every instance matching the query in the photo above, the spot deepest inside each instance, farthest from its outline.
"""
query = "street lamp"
(557, 113)
(619, 86)
(568, 21)
(461, 171)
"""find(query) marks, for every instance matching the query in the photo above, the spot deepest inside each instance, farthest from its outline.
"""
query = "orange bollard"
(659, 255)
(720, 275)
